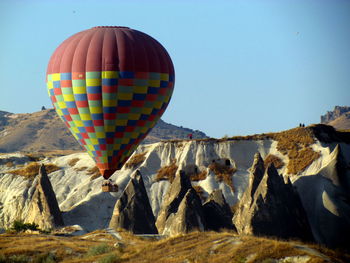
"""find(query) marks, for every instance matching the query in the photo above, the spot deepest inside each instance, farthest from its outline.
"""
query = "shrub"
(14, 259)
(9, 164)
(167, 172)
(94, 172)
(32, 169)
(136, 160)
(277, 162)
(223, 173)
(110, 258)
(99, 249)
(73, 161)
(45, 258)
(19, 225)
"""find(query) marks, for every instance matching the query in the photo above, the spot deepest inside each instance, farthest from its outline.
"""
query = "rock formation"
(337, 170)
(133, 210)
(43, 208)
(188, 217)
(274, 210)
(217, 212)
(325, 197)
(336, 113)
(181, 211)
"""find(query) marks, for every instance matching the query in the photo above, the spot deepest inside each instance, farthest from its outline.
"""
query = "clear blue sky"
(242, 67)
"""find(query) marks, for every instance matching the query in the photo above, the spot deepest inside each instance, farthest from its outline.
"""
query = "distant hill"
(339, 118)
(44, 131)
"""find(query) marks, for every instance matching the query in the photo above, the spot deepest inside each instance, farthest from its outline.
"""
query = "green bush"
(98, 250)
(14, 259)
(110, 258)
(19, 226)
(45, 258)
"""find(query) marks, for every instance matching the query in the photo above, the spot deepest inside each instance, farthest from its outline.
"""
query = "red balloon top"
(110, 48)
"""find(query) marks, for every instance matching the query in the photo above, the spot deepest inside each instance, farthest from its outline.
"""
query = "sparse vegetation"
(210, 247)
(136, 160)
(296, 144)
(277, 162)
(94, 172)
(47, 257)
(99, 249)
(167, 172)
(73, 161)
(20, 226)
(9, 164)
(32, 169)
(110, 258)
(223, 173)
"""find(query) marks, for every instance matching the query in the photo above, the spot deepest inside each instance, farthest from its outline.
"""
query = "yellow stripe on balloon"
(68, 97)
(79, 90)
(93, 82)
(109, 74)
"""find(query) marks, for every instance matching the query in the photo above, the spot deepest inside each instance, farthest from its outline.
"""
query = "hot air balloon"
(110, 85)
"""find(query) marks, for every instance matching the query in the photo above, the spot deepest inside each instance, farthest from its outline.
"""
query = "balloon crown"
(110, 27)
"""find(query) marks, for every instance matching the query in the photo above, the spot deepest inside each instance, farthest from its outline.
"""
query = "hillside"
(339, 118)
(44, 131)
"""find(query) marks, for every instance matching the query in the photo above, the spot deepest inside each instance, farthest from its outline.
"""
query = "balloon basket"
(108, 186)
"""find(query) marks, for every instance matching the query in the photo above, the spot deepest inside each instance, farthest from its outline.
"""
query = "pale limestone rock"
(43, 209)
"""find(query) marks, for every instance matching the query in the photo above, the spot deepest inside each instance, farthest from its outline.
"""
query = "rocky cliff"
(299, 155)
(339, 118)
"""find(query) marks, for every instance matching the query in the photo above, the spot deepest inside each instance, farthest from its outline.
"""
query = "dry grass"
(301, 159)
(32, 169)
(94, 172)
(223, 173)
(80, 169)
(136, 160)
(167, 172)
(194, 247)
(9, 164)
(73, 161)
(277, 162)
(35, 157)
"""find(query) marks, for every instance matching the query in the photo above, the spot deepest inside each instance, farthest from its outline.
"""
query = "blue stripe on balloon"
(109, 134)
(139, 96)
(80, 97)
(56, 84)
(88, 123)
(94, 89)
(126, 75)
(132, 123)
(97, 116)
(120, 129)
(66, 76)
(70, 104)
(152, 90)
(109, 109)
(144, 117)
(109, 82)
(81, 129)
(101, 141)
(124, 103)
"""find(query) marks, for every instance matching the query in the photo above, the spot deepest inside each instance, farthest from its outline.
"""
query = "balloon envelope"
(110, 85)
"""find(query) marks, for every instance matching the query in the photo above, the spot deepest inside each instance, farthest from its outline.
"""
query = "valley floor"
(99, 246)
